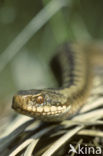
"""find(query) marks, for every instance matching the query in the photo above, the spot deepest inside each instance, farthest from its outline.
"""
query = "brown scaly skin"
(61, 103)
(50, 109)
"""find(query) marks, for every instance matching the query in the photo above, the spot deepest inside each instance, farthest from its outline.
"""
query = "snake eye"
(40, 99)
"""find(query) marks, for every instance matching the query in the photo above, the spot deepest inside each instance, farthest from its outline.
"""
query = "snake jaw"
(24, 105)
(41, 104)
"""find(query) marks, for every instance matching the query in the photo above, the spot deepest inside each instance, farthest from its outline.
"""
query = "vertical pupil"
(40, 99)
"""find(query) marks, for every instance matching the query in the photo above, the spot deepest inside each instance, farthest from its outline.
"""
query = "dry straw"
(25, 136)
(29, 136)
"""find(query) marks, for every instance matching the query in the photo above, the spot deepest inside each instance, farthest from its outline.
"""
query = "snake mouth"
(32, 110)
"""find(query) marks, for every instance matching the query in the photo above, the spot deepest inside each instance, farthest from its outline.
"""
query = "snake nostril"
(13, 102)
(16, 102)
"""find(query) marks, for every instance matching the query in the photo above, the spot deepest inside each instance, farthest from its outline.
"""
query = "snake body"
(57, 104)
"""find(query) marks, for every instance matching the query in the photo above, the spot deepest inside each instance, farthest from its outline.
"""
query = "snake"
(73, 66)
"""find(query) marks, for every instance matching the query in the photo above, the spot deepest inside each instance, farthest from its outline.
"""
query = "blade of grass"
(30, 29)
(61, 141)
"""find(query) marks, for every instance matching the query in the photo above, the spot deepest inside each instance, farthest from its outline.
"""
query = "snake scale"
(57, 104)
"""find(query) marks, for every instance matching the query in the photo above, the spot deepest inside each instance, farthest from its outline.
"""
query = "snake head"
(43, 104)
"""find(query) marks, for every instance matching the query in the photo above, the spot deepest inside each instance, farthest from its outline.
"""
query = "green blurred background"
(79, 20)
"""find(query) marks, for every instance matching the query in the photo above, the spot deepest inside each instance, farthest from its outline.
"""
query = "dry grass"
(23, 136)
(46, 138)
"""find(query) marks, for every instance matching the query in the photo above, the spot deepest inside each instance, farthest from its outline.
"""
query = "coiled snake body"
(57, 104)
